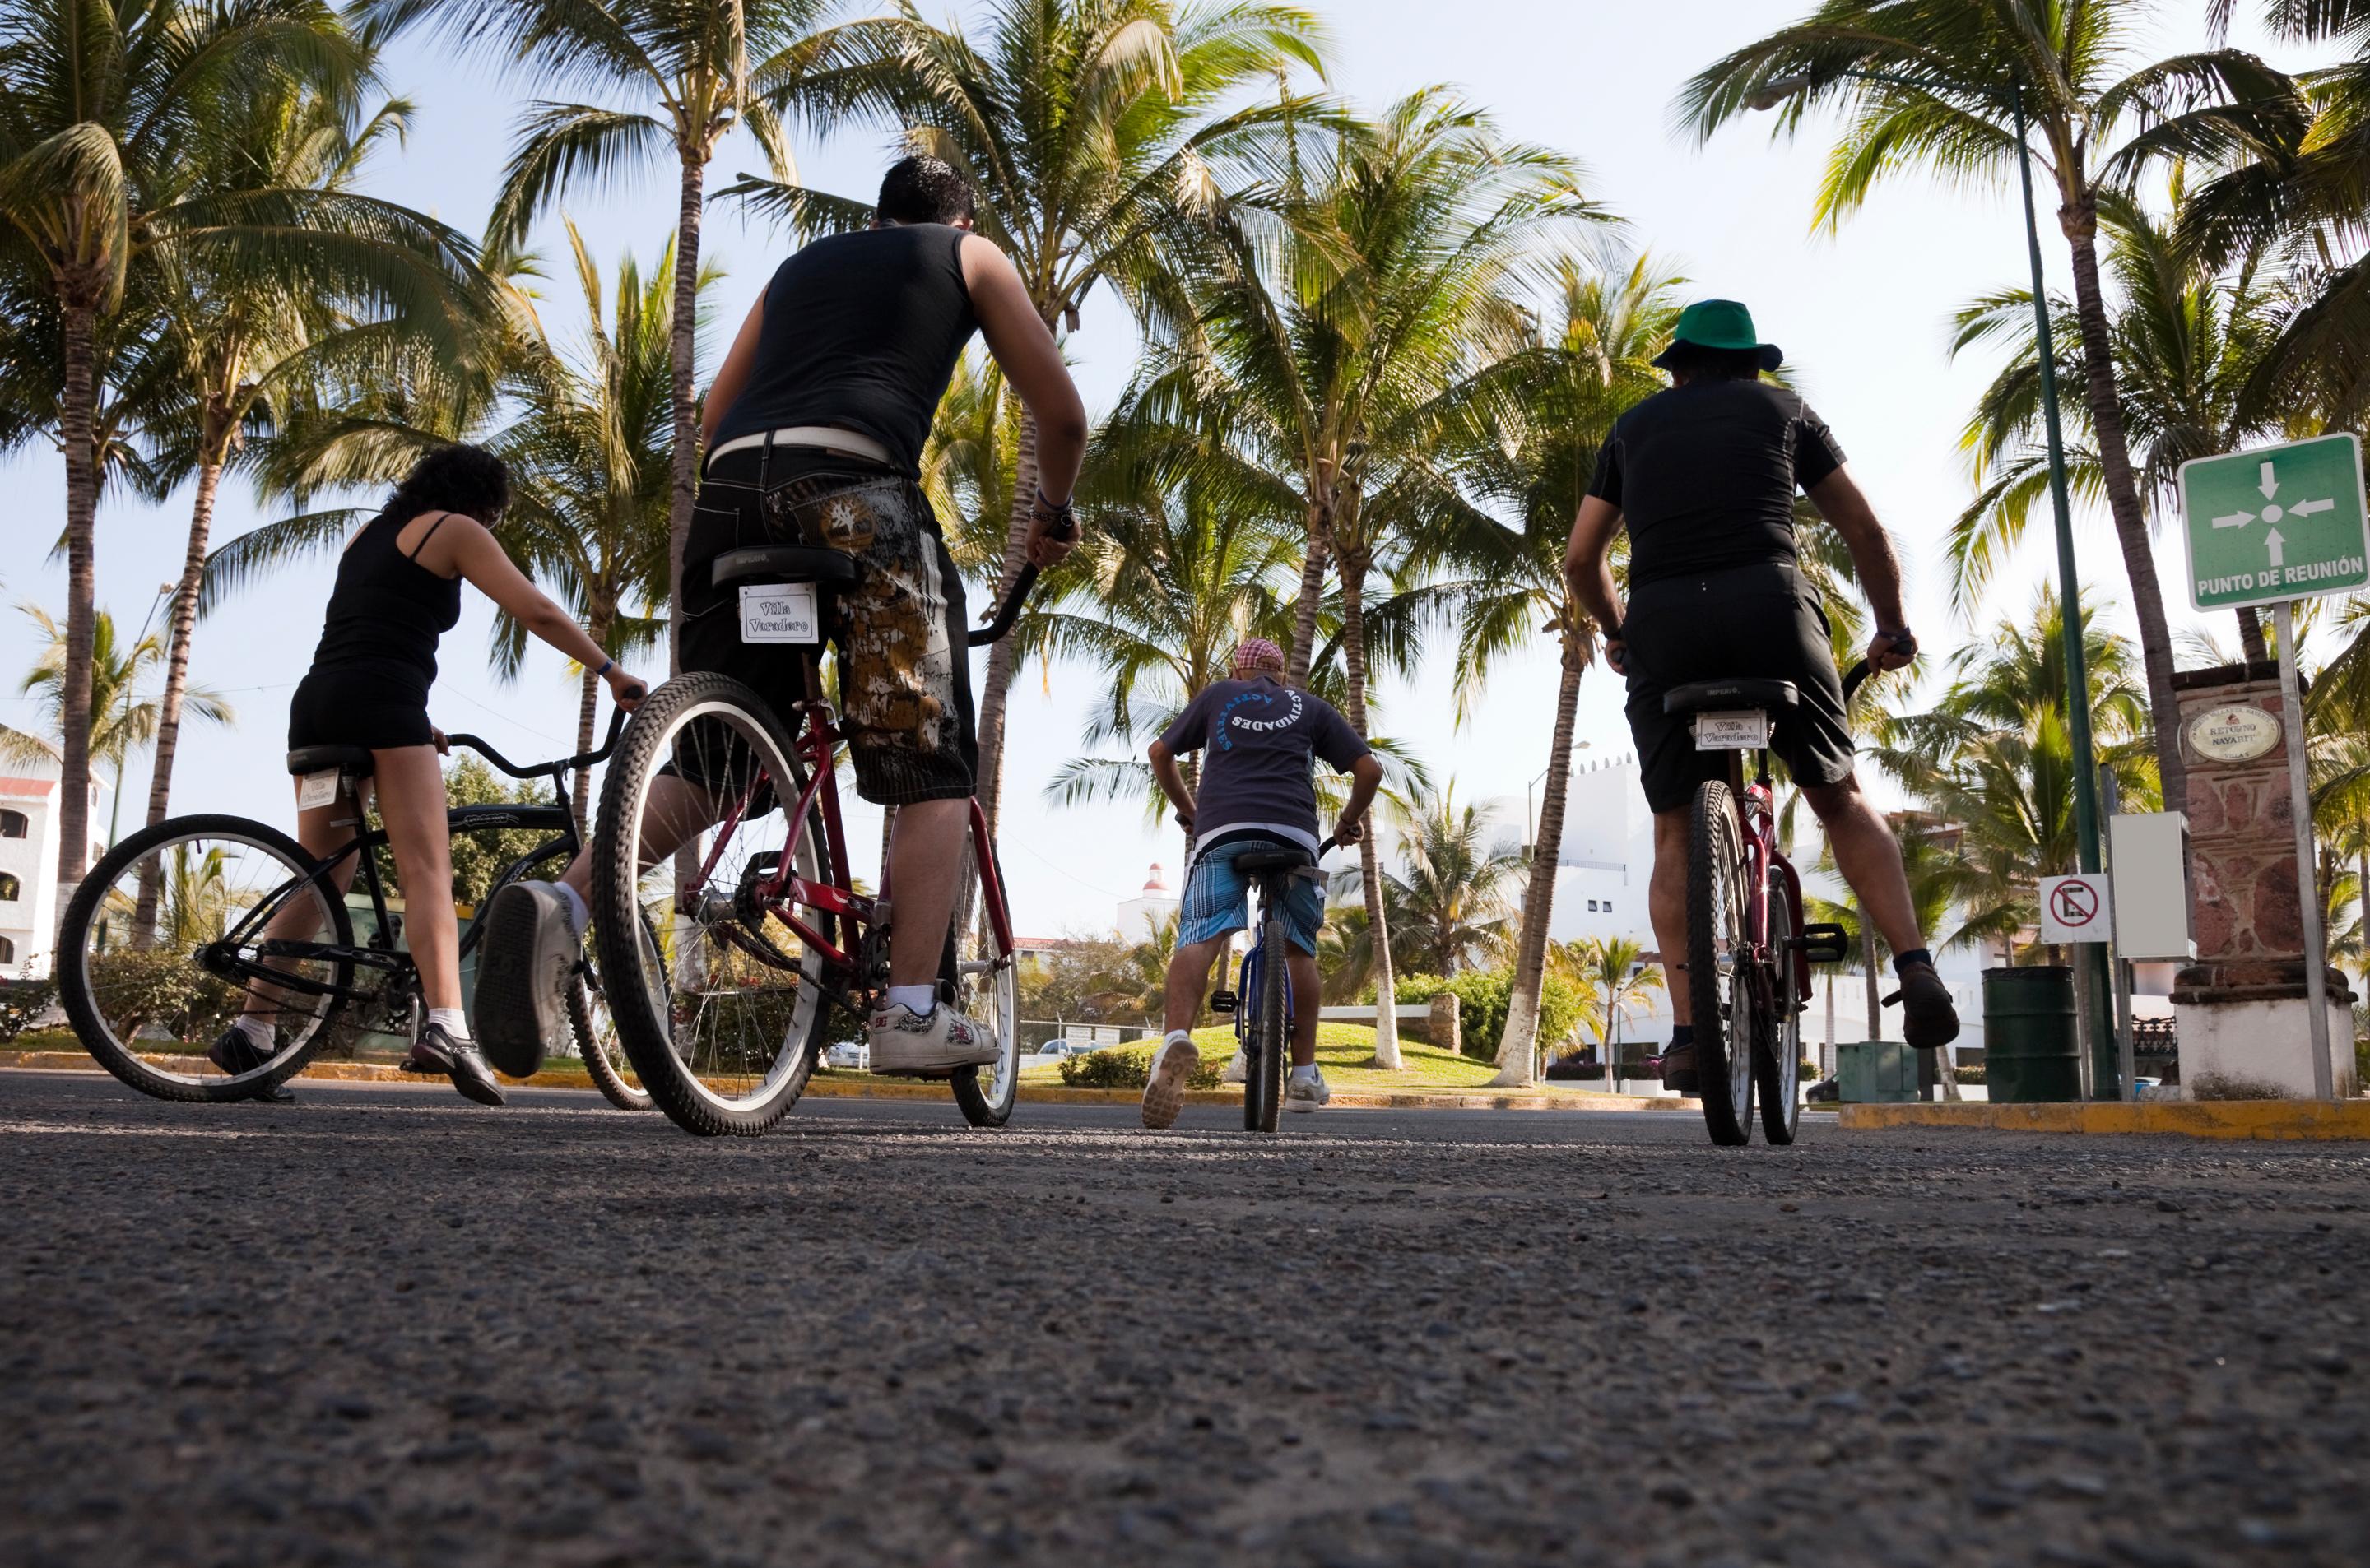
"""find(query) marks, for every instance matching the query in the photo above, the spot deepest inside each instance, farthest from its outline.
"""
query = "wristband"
(606, 666)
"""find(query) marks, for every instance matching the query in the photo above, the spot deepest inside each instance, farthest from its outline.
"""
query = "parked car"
(849, 1054)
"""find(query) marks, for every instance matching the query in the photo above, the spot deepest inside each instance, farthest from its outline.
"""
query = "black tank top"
(861, 331)
(388, 610)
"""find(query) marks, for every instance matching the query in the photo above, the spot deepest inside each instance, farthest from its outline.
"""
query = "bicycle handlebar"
(1009, 610)
(583, 760)
(1852, 679)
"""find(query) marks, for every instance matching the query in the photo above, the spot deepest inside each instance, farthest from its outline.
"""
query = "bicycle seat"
(1261, 861)
(354, 761)
(785, 563)
(1702, 696)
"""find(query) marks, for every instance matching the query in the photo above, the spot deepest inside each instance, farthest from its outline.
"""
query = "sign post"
(2271, 527)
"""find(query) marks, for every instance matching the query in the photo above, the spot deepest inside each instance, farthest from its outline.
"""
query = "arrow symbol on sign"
(2306, 509)
(2236, 520)
(2271, 485)
(2273, 540)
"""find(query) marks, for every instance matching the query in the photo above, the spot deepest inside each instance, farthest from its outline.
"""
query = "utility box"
(2149, 856)
(1871, 1073)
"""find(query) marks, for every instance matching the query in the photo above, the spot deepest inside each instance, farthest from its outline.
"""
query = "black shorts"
(1762, 623)
(904, 670)
(360, 705)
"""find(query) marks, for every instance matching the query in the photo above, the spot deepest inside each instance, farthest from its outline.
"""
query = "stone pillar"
(1445, 1027)
(2240, 1006)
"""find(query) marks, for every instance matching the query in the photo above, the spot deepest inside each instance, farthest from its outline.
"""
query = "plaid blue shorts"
(1218, 897)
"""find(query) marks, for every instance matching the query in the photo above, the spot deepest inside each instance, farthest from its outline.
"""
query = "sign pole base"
(2310, 906)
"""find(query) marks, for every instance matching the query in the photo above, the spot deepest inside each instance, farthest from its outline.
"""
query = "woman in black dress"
(398, 589)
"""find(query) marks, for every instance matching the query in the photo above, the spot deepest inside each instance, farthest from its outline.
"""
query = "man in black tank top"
(813, 434)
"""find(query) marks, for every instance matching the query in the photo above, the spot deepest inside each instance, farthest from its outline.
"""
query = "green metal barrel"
(2030, 1054)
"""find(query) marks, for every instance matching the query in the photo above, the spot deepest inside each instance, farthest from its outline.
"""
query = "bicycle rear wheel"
(1270, 1037)
(982, 981)
(167, 936)
(1718, 992)
(1777, 1043)
(723, 1017)
(596, 1028)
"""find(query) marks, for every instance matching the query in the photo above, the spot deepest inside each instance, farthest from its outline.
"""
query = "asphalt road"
(384, 1326)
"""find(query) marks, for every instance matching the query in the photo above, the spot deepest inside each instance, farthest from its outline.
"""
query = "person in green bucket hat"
(1704, 476)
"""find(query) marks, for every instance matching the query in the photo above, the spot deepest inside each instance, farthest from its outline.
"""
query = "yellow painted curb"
(2257, 1119)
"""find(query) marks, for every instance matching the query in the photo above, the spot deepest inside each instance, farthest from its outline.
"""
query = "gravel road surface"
(384, 1326)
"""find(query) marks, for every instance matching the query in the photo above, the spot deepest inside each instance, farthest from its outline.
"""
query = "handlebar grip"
(1858, 674)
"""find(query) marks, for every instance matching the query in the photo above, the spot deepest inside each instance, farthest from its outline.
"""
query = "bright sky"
(1863, 317)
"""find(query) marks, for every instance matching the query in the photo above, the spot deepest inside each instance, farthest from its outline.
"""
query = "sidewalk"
(2256, 1119)
(860, 1086)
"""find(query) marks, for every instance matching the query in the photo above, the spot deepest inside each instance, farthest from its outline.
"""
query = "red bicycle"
(729, 957)
(1749, 952)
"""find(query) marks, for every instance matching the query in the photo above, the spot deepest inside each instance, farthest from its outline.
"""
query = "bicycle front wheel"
(722, 1018)
(595, 1026)
(169, 936)
(981, 980)
(1777, 1043)
(1718, 993)
(1271, 1033)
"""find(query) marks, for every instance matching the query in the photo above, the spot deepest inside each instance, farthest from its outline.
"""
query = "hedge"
(1483, 996)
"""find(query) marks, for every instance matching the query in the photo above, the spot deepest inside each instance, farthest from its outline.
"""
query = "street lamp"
(2089, 958)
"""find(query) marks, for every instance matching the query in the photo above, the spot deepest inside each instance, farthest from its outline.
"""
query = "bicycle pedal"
(1223, 1002)
(1823, 943)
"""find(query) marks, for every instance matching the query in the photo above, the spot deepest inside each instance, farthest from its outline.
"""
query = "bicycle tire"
(993, 998)
(86, 1012)
(1718, 992)
(1263, 1083)
(647, 1016)
(603, 1059)
(1777, 1043)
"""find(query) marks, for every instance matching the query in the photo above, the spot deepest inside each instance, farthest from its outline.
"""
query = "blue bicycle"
(1262, 1009)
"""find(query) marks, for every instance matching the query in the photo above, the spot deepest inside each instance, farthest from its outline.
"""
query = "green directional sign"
(2279, 522)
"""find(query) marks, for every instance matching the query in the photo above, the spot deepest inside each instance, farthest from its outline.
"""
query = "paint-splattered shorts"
(904, 679)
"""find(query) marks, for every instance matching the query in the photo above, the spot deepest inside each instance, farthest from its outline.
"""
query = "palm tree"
(1448, 906)
(246, 338)
(110, 112)
(197, 897)
(1506, 585)
(1083, 124)
(1945, 85)
(1612, 976)
(122, 718)
(693, 70)
(1331, 329)
(2188, 346)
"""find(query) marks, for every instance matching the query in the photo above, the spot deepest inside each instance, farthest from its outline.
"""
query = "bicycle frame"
(1757, 809)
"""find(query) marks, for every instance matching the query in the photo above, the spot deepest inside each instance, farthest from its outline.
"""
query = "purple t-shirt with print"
(1260, 736)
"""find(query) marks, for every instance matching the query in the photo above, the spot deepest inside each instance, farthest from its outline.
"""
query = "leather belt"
(827, 437)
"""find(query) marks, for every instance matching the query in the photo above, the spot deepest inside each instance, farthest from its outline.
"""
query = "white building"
(1141, 918)
(28, 865)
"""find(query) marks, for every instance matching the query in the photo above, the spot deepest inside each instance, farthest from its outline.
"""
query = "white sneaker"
(903, 1041)
(1234, 1069)
(1305, 1094)
(1164, 1091)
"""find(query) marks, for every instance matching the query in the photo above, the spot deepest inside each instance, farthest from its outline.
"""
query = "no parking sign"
(2075, 909)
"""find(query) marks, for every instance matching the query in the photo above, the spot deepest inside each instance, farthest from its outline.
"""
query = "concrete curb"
(2255, 1119)
(857, 1088)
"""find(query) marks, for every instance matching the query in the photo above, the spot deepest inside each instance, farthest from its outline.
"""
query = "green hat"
(1721, 324)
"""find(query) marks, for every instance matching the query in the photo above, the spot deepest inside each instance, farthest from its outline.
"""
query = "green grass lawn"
(1346, 1052)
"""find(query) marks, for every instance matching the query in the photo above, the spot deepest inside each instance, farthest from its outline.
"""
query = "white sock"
(919, 1000)
(1177, 1035)
(580, 913)
(454, 1021)
(255, 1026)
(1305, 1074)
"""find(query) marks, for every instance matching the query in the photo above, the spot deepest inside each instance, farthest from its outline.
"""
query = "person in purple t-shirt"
(1257, 791)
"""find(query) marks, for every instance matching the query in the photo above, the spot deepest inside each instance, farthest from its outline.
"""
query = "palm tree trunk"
(177, 667)
(77, 421)
(588, 710)
(995, 700)
(682, 346)
(2251, 646)
(2080, 221)
(1370, 867)
(1518, 1050)
(1312, 593)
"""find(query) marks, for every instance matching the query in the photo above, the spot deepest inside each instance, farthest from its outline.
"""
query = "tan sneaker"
(902, 1042)
(1164, 1091)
